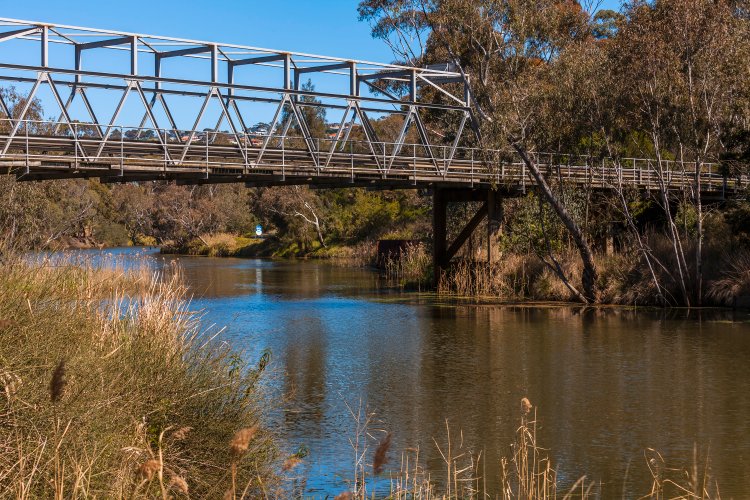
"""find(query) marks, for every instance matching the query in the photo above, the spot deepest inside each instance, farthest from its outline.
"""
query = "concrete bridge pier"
(491, 207)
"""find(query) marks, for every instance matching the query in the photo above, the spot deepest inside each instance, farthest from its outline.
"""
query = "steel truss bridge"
(127, 67)
(92, 76)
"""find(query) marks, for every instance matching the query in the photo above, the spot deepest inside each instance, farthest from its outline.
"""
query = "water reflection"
(607, 383)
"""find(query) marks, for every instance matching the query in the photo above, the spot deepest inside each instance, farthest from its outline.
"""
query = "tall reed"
(110, 388)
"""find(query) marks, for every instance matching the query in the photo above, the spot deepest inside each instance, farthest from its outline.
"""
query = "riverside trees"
(666, 79)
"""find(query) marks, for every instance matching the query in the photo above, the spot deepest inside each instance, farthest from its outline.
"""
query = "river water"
(606, 383)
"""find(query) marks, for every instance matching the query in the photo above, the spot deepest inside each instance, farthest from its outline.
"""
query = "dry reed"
(143, 404)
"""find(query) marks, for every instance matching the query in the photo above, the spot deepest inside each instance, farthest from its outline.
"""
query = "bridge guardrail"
(144, 149)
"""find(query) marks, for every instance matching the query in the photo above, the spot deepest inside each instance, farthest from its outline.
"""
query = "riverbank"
(625, 278)
(231, 245)
(110, 388)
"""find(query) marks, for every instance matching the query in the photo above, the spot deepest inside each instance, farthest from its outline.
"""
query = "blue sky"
(328, 27)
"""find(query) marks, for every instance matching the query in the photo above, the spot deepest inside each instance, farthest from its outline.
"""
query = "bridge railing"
(52, 145)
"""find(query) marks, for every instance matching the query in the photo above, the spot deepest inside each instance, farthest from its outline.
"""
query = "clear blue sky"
(327, 27)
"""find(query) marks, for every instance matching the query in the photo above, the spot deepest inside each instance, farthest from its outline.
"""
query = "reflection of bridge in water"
(145, 139)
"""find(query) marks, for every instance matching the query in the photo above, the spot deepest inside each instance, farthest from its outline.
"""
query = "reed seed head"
(149, 468)
(526, 406)
(380, 458)
(179, 484)
(346, 495)
(290, 463)
(57, 384)
(241, 439)
(181, 433)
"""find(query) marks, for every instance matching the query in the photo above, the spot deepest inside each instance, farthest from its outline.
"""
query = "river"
(606, 383)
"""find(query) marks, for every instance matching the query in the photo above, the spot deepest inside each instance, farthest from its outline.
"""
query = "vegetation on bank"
(109, 388)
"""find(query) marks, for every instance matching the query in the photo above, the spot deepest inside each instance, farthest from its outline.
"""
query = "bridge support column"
(442, 253)
(494, 223)
(439, 219)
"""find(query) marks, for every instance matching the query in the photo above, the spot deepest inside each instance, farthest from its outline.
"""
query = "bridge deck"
(42, 157)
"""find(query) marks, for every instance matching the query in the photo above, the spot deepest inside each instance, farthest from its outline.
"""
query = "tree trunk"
(589, 276)
(699, 243)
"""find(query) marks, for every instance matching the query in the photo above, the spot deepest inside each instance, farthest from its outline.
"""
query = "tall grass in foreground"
(527, 472)
(109, 389)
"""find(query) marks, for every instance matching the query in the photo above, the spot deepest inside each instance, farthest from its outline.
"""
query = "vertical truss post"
(44, 43)
(214, 63)
(413, 86)
(134, 55)
(287, 71)
(78, 63)
(353, 80)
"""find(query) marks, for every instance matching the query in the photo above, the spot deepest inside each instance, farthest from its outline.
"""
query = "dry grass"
(734, 280)
(411, 269)
(527, 473)
(108, 388)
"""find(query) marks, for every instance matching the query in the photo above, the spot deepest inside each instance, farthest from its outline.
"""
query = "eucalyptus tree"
(683, 70)
(505, 50)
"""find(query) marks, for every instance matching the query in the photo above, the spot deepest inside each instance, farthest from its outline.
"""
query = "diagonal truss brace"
(213, 93)
(340, 130)
(87, 104)
(371, 136)
(412, 116)
(42, 78)
(295, 114)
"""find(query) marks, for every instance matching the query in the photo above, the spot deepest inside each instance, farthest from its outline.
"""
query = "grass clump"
(109, 389)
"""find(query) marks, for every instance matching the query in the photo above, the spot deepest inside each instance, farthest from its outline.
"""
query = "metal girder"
(106, 43)
(385, 75)
(9, 35)
(290, 115)
(236, 86)
(183, 52)
(326, 67)
(257, 60)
